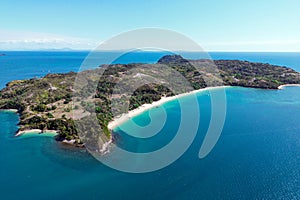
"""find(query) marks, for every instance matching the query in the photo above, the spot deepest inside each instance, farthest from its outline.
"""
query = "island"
(47, 104)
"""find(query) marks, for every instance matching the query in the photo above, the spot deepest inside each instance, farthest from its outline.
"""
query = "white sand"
(11, 110)
(38, 131)
(118, 120)
(287, 85)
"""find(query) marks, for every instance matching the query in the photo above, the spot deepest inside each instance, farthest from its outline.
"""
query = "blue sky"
(217, 25)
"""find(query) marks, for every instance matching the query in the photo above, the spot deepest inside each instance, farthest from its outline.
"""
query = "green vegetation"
(49, 115)
(256, 75)
(46, 103)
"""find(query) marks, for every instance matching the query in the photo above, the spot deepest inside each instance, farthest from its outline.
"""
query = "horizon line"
(130, 50)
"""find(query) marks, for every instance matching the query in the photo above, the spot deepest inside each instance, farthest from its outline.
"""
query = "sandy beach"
(287, 85)
(10, 110)
(118, 120)
(37, 131)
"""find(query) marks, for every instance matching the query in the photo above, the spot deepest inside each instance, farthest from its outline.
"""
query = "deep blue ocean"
(256, 157)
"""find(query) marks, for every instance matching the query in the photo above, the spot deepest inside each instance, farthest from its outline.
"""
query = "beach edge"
(121, 119)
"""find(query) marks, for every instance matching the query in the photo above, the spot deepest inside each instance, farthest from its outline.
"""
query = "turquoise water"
(256, 157)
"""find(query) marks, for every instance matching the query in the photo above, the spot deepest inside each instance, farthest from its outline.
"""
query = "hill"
(47, 103)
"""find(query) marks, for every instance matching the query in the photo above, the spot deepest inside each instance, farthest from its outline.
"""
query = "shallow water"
(256, 157)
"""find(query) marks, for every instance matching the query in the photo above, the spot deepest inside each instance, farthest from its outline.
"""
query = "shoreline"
(35, 131)
(10, 110)
(287, 85)
(120, 119)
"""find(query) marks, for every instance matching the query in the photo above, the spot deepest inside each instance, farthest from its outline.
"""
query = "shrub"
(40, 108)
(67, 109)
(50, 115)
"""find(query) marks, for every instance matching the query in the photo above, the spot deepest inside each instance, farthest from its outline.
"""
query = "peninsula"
(46, 103)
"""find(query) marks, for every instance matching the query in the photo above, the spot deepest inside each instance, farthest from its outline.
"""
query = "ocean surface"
(256, 157)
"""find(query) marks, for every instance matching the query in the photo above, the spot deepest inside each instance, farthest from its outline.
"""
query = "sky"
(216, 25)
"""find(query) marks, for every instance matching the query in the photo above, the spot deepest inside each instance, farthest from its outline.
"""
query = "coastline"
(287, 85)
(35, 131)
(120, 119)
(9, 110)
(30, 131)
